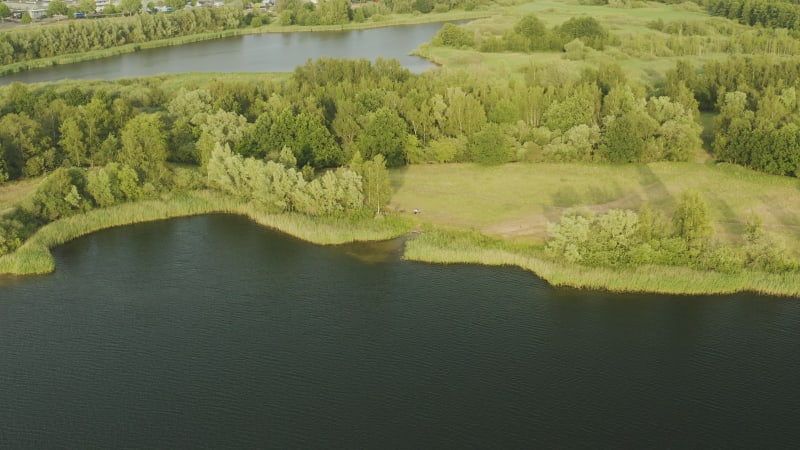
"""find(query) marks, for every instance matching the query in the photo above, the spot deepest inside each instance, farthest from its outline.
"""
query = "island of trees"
(562, 87)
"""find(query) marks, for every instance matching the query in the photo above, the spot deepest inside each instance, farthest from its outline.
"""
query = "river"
(212, 332)
(269, 52)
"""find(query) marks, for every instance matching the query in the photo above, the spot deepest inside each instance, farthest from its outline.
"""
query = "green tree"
(627, 137)
(3, 166)
(374, 181)
(333, 12)
(424, 6)
(144, 147)
(59, 195)
(533, 31)
(385, 134)
(222, 127)
(465, 114)
(585, 28)
(99, 187)
(453, 36)
(86, 6)
(72, 141)
(489, 146)
(4, 12)
(691, 219)
(130, 6)
(26, 18)
(57, 8)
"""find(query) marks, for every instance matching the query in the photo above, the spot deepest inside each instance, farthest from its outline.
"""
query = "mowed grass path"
(516, 201)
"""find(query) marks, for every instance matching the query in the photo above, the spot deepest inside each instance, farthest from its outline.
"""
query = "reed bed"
(454, 246)
(34, 257)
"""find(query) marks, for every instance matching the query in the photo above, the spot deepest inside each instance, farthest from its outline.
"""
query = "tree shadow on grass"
(655, 191)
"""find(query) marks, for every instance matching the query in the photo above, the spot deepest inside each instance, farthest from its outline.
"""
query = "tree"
(4, 12)
(130, 6)
(465, 114)
(86, 6)
(424, 6)
(627, 137)
(59, 195)
(72, 141)
(489, 146)
(374, 181)
(385, 134)
(221, 127)
(57, 8)
(144, 146)
(533, 31)
(585, 28)
(691, 219)
(333, 12)
(26, 17)
(99, 187)
(453, 36)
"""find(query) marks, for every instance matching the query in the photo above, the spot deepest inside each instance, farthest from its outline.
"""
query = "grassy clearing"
(34, 256)
(626, 23)
(12, 193)
(516, 201)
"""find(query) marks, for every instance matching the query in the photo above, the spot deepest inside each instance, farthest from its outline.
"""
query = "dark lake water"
(269, 52)
(211, 332)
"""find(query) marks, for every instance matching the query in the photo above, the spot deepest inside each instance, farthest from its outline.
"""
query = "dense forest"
(330, 109)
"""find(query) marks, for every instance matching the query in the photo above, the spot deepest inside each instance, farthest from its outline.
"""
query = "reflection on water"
(375, 252)
(268, 52)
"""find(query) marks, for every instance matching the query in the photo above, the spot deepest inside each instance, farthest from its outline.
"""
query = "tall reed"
(34, 257)
(454, 246)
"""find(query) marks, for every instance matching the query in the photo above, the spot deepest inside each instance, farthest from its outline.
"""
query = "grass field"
(517, 201)
(625, 23)
(11, 193)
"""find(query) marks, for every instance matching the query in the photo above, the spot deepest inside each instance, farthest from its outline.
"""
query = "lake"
(213, 332)
(268, 52)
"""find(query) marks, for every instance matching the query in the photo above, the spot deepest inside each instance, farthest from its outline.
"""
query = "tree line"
(766, 13)
(130, 132)
(756, 101)
(337, 12)
(529, 34)
(329, 109)
(24, 44)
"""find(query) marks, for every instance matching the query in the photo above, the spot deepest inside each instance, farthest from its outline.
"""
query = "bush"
(453, 36)
(489, 146)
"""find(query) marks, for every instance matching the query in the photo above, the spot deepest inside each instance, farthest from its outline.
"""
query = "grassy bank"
(517, 201)
(34, 256)
(434, 244)
(395, 20)
(510, 206)
(452, 246)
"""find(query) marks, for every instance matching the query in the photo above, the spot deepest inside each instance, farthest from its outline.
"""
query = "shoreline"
(462, 248)
(34, 257)
(266, 29)
(433, 246)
